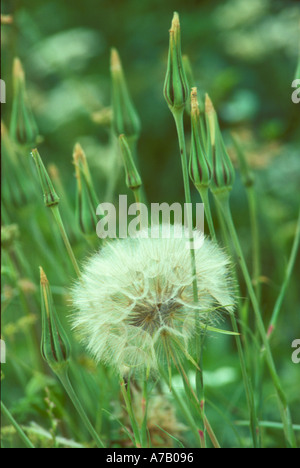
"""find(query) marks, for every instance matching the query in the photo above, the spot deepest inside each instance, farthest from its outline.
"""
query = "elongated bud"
(125, 117)
(50, 196)
(133, 179)
(86, 199)
(200, 171)
(223, 174)
(23, 128)
(55, 346)
(176, 85)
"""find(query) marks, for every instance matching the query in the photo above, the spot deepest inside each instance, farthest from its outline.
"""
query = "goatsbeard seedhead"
(134, 301)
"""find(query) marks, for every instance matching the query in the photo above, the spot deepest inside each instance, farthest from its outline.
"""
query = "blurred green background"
(243, 53)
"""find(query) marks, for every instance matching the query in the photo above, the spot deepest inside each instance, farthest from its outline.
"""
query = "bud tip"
(78, 153)
(208, 104)
(43, 277)
(18, 71)
(175, 22)
(115, 62)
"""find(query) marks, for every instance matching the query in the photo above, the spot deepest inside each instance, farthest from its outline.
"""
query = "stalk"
(64, 378)
(254, 423)
(134, 425)
(59, 222)
(223, 200)
(18, 428)
(182, 405)
(203, 191)
(289, 269)
(178, 117)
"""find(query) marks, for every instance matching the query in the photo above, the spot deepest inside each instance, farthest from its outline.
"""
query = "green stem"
(64, 378)
(145, 402)
(255, 239)
(269, 424)
(223, 199)
(134, 425)
(199, 405)
(178, 117)
(203, 191)
(254, 424)
(57, 216)
(185, 410)
(18, 428)
(290, 266)
(138, 195)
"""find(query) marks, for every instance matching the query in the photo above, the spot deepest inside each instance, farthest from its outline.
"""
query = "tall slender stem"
(254, 424)
(284, 285)
(57, 216)
(255, 240)
(223, 200)
(182, 405)
(64, 378)
(134, 425)
(178, 117)
(18, 428)
(205, 199)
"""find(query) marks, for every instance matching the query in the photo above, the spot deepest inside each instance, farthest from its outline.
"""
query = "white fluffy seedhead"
(134, 302)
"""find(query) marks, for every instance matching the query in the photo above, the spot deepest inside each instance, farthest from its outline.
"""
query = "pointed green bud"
(23, 128)
(86, 202)
(133, 179)
(223, 174)
(55, 346)
(200, 171)
(176, 85)
(125, 118)
(50, 196)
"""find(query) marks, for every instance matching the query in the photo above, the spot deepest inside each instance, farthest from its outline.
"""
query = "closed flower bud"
(200, 172)
(23, 128)
(125, 117)
(50, 196)
(55, 347)
(223, 174)
(86, 199)
(176, 85)
(133, 179)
